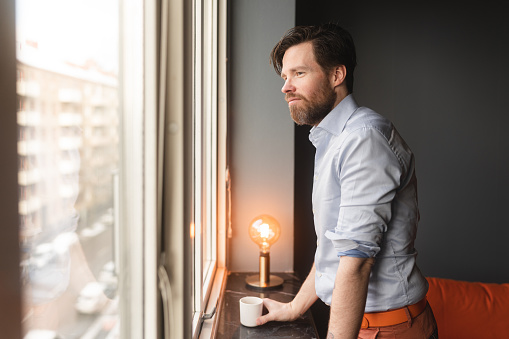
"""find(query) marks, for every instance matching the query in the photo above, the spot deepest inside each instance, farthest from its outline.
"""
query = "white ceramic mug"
(250, 310)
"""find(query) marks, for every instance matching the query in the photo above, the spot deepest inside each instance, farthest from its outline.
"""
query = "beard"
(312, 111)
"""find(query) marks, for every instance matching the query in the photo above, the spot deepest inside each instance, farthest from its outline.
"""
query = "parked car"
(107, 274)
(42, 254)
(107, 219)
(91, 298)
(42, 334)
(108, 278)
(93, 230)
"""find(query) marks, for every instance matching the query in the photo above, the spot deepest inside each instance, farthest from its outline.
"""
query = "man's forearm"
(307, 294)
(349, 297)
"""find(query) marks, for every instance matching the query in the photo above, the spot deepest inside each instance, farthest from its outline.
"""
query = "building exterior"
(68, 153)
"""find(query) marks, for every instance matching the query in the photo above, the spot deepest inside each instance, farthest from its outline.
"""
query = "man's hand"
(277, 312)
(290, 311)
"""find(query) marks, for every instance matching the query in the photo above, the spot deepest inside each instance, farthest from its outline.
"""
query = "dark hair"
(332, 45)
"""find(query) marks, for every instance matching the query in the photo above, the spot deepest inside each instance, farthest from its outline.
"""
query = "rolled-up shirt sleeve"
(369, 173)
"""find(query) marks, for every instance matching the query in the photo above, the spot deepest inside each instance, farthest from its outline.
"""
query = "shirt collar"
(335, 121)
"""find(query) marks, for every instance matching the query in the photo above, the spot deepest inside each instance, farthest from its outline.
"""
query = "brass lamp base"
(253, 282)
(264, 281)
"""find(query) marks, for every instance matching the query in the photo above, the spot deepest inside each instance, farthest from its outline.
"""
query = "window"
(92, 226)
(68, 154)
(205, 151)
(209, 150)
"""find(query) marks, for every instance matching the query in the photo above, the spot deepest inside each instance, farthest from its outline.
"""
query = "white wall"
(261, 132)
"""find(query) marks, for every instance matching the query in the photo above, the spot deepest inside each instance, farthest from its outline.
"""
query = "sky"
(71, 30)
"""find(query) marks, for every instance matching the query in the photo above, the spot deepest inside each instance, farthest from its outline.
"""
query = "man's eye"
(299, 73)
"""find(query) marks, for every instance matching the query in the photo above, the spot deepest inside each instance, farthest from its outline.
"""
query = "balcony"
(69, 119)
(28, 147)
(29, 205)
(69, 143)
(68, 95)
(68, 191)
(28, 88)
(29, 177)
(68, 167)
(29, 118)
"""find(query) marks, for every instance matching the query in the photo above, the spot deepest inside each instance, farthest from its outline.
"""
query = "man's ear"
(339, 75)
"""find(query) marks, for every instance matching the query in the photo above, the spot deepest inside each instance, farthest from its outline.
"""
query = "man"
(364, 198)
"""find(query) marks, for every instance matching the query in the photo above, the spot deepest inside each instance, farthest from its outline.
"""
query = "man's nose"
(288, 87)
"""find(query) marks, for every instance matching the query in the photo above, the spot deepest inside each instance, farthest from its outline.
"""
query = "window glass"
(68, 151)
(205, 150)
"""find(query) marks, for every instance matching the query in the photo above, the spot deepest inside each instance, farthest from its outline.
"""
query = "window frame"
(140, 71)
(210, 157)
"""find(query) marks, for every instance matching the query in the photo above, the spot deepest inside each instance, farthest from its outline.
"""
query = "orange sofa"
(465, 310)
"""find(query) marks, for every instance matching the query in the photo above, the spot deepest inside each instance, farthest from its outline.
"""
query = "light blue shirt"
(365, 204)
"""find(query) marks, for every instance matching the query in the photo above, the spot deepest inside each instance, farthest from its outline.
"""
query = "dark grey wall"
(439, 71)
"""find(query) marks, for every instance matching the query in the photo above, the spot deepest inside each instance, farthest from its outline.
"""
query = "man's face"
(308, 89)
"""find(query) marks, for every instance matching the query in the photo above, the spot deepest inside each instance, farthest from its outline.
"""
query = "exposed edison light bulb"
(264, 230)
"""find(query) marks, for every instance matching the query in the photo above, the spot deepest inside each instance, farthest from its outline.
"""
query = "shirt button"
(319, 274)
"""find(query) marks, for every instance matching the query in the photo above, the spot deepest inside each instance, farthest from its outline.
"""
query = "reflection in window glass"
(68, 152)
